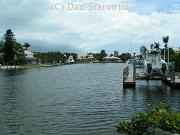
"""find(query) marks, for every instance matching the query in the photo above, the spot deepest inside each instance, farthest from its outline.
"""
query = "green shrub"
(157, 117)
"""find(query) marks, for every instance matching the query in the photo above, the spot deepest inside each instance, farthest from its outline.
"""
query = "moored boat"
(154, 66)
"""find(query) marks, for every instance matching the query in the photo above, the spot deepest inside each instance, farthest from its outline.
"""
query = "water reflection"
(11, 118)
(74, 99)
(154, 92)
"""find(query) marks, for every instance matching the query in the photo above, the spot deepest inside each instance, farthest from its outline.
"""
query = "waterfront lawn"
(31, 65)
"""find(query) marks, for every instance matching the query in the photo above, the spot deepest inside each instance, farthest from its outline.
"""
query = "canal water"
(82, 99)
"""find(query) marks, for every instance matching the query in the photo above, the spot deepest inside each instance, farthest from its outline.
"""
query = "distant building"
(176, 50)
(85, 56)
(29, 54)
(112, 58)
(30, 57)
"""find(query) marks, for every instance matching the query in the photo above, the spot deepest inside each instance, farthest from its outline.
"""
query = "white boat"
(70, 60)
(139, 64)
(130, 61)
(154, 66)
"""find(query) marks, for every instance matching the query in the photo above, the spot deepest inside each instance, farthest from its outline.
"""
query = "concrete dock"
(11, 67)
(129, 76)
(173, 79)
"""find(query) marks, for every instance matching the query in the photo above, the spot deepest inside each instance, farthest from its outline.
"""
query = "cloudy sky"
(145, 22)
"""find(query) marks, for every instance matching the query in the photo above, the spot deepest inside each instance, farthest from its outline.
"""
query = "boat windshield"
(153, 56)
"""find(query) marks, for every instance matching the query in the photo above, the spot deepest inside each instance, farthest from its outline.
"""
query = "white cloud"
(94, 30)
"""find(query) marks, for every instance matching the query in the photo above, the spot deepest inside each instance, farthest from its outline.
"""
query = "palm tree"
(166, 40)
(102, 54)
(19, 53)
(134, 55)
(152, 46)
(157, 45)
(26, 45)
(116, 53)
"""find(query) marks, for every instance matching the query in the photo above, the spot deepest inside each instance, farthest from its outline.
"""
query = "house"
(30, 57)
(85, 56)
(112, 58)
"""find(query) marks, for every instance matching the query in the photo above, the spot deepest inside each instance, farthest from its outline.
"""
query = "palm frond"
(165, 39)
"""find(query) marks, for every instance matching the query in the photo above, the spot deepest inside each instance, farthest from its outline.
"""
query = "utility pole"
(164, 53)
(168, 55)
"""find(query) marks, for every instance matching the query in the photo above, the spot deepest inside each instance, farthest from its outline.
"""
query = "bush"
(157, 117)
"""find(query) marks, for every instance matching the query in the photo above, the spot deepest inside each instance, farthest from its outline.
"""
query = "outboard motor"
(164, 68)
(149, 68)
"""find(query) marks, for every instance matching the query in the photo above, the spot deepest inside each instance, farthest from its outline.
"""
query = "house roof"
(28, 52)
(112, 57)
(31, 58)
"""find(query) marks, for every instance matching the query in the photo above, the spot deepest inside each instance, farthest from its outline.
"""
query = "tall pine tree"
(9, 47)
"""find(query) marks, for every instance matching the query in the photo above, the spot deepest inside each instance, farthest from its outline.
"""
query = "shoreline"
(28, 66)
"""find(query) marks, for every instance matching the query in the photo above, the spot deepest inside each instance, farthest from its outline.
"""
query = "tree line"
(100, 56)
(12, 52)
(54, 57)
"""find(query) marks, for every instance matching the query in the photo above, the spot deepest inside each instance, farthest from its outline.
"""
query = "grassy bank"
(80, 62)
(31, 65)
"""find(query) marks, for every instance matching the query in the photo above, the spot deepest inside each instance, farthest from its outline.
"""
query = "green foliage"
(157, 45)
(26, 45)
(100, 56)
(1, 47)
(173, 57)
(50, 57)
(116, 53)
(19, 53)
(171, 52)
(157, 117)
(1, 52)
(11, 52)
(125, 56)
(8, 47)
(176, 58)
(165, 40)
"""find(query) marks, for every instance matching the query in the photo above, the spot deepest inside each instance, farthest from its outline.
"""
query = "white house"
(85, 56)
(111, 58)
(29, 54)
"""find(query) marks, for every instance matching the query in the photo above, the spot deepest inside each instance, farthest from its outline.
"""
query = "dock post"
(129, 79)
(134, 72)
(174, 77)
